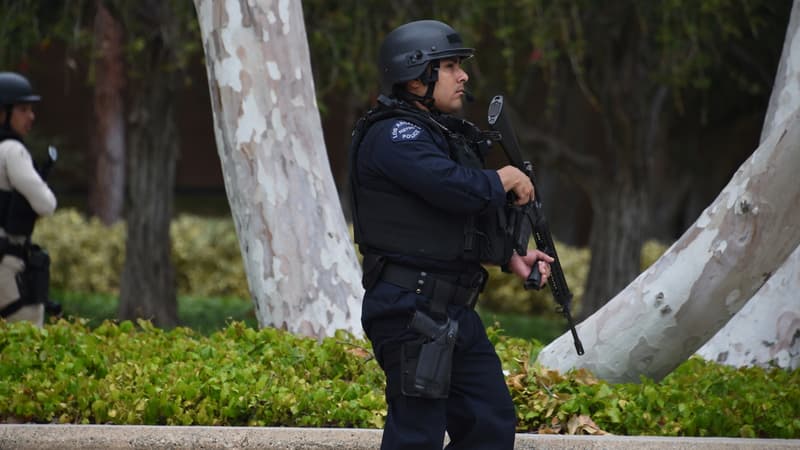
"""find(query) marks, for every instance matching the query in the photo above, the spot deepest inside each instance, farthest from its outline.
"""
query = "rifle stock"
(532, 221)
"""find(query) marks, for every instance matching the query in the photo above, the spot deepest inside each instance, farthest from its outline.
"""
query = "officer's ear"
(415, 87)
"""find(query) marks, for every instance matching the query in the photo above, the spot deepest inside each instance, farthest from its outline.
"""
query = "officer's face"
(22, 118)
(448, 94)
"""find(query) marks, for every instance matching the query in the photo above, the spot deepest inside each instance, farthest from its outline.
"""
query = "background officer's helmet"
(406, 51)
(14, 89)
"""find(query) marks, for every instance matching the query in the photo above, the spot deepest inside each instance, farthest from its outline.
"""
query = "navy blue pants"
(478, 413)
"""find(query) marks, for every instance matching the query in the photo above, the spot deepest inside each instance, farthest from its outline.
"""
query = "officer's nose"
(464, 76)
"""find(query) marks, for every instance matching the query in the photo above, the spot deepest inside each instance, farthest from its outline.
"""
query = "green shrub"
(129, 374)
(207, 257)
(124, 374)
(651, 251)
(504, 291)
(87, 256)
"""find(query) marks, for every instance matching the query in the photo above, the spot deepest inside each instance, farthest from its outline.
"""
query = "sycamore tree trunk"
(704, 279)
(766, 332)
(107, 185)
(300, 262)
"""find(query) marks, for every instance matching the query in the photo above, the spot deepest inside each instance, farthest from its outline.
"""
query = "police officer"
(426, 216)
(23, 196)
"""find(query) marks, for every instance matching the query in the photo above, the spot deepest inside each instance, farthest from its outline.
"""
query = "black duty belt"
(441, 289)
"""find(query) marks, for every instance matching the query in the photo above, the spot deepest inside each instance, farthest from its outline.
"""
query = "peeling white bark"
(766, 332)
(704, 279)
(301, 265)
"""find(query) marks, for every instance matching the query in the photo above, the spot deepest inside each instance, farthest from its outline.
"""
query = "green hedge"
(88, 257)
(128, 374)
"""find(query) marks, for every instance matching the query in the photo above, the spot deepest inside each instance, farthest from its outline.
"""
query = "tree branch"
(555, 152)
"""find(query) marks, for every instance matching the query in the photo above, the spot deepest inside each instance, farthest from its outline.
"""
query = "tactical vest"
(404, 223)
(17, 217)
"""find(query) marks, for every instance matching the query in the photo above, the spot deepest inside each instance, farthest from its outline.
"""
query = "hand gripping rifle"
(531, 220)
(52, 157)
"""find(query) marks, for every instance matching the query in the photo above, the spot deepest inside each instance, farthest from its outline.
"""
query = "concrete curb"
(113, 437)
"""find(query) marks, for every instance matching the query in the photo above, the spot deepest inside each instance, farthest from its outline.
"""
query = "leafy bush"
(207, 258)
(651, 251)
(87, 256)
(238, 376)
(128, 374)
(504, 292)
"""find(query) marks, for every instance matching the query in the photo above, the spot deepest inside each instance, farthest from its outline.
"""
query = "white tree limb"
(704, 279)
(300, 262)
(766, 332)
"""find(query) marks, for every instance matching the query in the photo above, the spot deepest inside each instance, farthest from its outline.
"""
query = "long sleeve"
(17, 173)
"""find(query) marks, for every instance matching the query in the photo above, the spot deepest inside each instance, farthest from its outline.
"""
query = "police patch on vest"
(405, 131)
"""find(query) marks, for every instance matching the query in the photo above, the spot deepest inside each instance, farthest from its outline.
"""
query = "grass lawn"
(543, 329)
(206, 315)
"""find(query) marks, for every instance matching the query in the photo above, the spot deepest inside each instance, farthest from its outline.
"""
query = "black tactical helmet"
(407, 50)
(14, 88)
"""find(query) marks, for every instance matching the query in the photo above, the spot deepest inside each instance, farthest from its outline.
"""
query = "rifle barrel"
(538, 224)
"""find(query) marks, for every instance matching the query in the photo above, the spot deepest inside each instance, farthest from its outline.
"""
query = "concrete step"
(113, 437)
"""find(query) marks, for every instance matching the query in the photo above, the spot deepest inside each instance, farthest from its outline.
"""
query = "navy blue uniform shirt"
(397, 154)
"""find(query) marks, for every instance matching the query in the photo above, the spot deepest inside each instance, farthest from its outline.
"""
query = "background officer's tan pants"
(9, 268)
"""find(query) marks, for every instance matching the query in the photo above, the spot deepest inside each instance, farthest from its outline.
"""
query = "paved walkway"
(113, 437)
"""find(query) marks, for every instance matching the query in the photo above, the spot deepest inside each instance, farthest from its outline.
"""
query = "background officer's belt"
(438, 288)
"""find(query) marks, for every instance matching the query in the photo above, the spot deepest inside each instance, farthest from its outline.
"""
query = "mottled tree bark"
(107, 186)
(300, 261)
(766, 332)
(704, 279)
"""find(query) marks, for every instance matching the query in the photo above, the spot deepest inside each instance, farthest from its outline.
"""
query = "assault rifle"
(531, 220)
